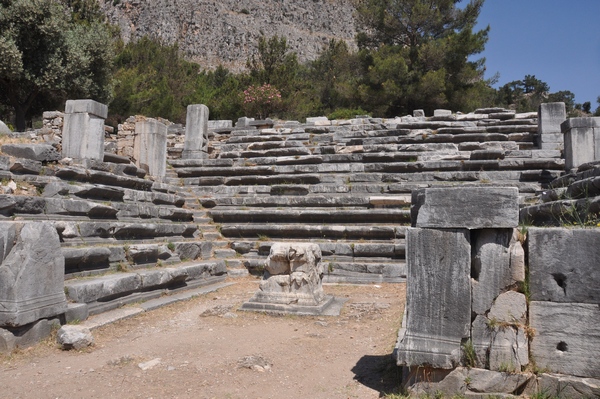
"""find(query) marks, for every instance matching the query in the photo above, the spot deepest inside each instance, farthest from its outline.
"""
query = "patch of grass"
(469, 355)
(171, 246)
(263, 237)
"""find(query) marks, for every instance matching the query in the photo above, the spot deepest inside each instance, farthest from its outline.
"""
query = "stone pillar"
(550, 116)
(32, 273)
(83, 130)
(150, 147)
(582, 141)
(196, 132)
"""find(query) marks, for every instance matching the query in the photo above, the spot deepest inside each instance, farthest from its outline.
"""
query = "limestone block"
(83, 136)
(438, 298)
(103, 287)
(4, 129)
(442, 112)
(74, 337)
(86, 106)
(76, 312)
(419, 113)
(566, 386)
(550, 117)
(466, 207)
(8, 342)
(582, 141)
(563, 265)
(31, 273)
(567, 337)
(35, 152)
(150, 146)
(33, 333)
(509, 307)
(490, 267)
(509, 350)
(196, 131)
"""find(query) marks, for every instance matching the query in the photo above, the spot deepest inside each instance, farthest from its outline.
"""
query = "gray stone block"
(86, 106)
(8, 342)
(31, 273)
(76, 312)
(83, 136)
(567, 337)
(4, 129)
(438, 298)
(575, 123)
(35, 332)
(563, 265)
(196, 131)
(465, 207)
(35, 152)
(150, 147)
(550, 117)
(566, 386)
(490, 268)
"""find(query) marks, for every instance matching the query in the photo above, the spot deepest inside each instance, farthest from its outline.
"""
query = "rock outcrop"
(226, 32)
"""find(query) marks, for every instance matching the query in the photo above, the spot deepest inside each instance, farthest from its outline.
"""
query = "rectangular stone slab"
(438, 298)
(564, 265)
(567, 337)
(31, 273)
(466, 207)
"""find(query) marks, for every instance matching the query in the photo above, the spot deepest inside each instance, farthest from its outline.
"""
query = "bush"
(261, 101)
(346, 113)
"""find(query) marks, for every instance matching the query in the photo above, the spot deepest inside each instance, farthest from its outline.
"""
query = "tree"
(47, 56)
(153, 79)
(435, 40)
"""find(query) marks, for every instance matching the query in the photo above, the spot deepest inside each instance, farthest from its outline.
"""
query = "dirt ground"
(204, 348)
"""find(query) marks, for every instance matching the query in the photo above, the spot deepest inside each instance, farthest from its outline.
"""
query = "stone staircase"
(346, 185)
(125, 238)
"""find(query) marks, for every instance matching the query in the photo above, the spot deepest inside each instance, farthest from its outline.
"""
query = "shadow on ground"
(379, 373)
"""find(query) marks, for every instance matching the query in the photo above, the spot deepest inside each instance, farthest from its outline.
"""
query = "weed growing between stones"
(262, 237)
(469, 355)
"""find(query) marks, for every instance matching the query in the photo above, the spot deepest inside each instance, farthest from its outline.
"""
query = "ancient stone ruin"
(488, 217)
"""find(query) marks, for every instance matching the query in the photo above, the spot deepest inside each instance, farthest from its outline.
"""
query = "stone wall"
(477, 315)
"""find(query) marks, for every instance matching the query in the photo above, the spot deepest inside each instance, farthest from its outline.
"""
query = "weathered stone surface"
(293, 275)
(8, 341)
(86, 106)
(582, 141)
(79, 259)
(563, 265)
(26, 166)
(35, 152)
(196, 132)
(465, 207)
(550, 117)
(74, 337)
(83, 136)
(564, 386)
(76, 312)
(31, 273)
(567, 337)
(438, 298)
(509, 350)
(490, 266)
(150, 146)
(509, 307)
(4, 129)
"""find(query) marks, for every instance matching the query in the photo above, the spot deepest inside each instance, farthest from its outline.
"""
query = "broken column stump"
(293, 282)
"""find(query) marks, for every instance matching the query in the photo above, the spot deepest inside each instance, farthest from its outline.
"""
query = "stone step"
(356, 216)
(83, 175)
(316, 231)
(107, 292)
(91, 260)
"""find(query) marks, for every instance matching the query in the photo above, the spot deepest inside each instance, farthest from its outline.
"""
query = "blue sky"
(558, 41)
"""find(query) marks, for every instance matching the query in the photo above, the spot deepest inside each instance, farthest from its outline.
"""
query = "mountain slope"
(226, 32)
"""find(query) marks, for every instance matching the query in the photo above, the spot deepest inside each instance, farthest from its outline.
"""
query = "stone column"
(83, 130)
(196, 132)
(150, 147)
(550, 116)
(582, 141)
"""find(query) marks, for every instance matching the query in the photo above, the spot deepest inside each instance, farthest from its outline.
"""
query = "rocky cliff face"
(226, 31)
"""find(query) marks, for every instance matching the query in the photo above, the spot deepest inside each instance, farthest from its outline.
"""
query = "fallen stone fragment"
(149, 364)
(74, 337)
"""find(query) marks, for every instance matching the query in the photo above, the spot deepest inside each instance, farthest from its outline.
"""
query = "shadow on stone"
(378, 372)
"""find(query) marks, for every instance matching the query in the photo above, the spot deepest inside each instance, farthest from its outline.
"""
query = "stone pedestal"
(150, 147)
(582, 141)
(83, 130)
(292, 281)
(31, 273)
(550, 116)
(196, 132)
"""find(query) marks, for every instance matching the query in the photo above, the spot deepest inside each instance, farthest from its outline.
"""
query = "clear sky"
(558, 41)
